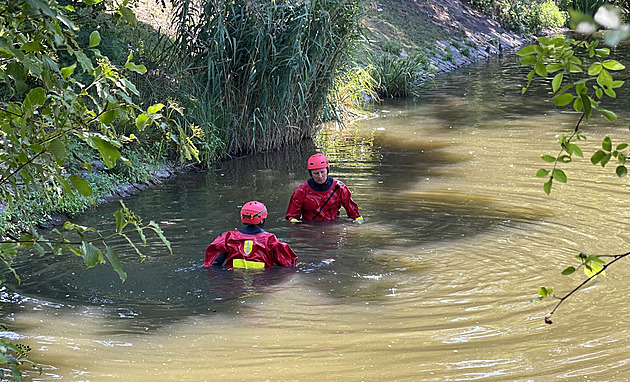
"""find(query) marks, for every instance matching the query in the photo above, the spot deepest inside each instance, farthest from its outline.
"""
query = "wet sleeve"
(283, 254)
(294, 210)
(215, 249)
(348, 204)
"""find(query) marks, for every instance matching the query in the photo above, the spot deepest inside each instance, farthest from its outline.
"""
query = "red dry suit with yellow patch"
(251, 247)
(312, 201)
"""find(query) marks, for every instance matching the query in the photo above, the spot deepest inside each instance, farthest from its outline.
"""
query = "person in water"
(250, 247)
(320, 198)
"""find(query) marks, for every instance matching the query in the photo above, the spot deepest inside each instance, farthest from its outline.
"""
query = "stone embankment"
(480, 36)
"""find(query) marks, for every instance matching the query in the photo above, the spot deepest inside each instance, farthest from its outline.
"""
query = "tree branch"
(566, 296)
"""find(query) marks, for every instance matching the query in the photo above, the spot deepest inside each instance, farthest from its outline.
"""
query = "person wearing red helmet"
(321, 197)
(250, 247)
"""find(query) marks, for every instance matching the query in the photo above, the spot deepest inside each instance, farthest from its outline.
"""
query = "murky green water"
(439, 284)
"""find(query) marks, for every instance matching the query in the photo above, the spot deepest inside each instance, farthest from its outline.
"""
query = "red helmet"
(253, 213)
(317, 161)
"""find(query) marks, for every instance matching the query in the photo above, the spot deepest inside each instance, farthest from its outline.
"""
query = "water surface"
(439, 283)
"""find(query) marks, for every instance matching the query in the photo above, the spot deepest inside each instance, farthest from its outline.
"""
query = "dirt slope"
(441, 28)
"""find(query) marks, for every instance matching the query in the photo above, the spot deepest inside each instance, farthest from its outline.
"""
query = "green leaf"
(557, 81)
(108, 117)
(602, 52)
(68, 70)
(621, 146)
(95, 39)
(128, 15)
(540, 69)
(65, 186)
(621, 171)
(547, 186)
(599, 93)
(35, 98)
(81, 185)
(568, 271)
(551, 68)
(613, 65)
(575, 149)
(91, 255)
(542, 173)
(595, 69)
(577, 104)
(543, 292)
(548, 158)
(58, 149)
(108, 151)
(605, 80)
(155, 227)
(85, 62)
(117, 266)
(8, 250)
(141, 234)
(609, 115)
(529, 49)
(586, 103)
(564, 158)
(136, 68)
(31, 46)
(607, 144)
(591, 270)
(142, 121)
(528, 60)
(121, 222)
(559, 175)
(563, 99)
(155, 108)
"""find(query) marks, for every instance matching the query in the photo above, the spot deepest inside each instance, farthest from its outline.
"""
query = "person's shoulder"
(302, 187)
(337, 182)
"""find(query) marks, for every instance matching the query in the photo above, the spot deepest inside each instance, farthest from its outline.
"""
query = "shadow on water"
(394, 169)
(194, 208)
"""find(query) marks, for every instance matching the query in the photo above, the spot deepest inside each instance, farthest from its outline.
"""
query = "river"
(439, 284)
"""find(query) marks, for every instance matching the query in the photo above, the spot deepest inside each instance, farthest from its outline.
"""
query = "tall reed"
(261, 70)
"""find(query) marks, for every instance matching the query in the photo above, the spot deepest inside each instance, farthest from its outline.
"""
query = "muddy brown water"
(439, 283)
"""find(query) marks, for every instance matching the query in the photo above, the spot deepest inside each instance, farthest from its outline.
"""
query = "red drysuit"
(253, 245)
(307, 201)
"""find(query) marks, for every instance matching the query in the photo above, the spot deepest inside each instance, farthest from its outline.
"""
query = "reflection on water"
(439, 284)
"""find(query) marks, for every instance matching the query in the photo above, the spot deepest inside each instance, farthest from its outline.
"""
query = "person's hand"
(358, 220)
(294, 220)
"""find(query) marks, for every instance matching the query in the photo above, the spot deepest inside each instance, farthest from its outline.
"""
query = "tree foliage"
(584, 77)
(54, 93)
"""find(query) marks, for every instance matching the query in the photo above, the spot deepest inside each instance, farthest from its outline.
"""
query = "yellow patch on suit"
(248, 246)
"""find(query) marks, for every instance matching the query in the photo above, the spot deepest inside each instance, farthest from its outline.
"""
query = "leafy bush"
(397, 75)
(525, 17)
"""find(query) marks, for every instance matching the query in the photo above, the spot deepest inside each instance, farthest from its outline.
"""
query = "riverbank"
(449, 32)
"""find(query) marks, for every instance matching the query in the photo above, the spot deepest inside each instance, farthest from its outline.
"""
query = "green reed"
(260, 71)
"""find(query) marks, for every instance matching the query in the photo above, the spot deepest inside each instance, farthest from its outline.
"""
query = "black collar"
(251, 229)
(320, 187)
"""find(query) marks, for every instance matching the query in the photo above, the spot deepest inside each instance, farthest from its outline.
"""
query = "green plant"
(353, 90)
(588, 7)
(397, 76)
(462, 48)
(583, 79)
(266, 88)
